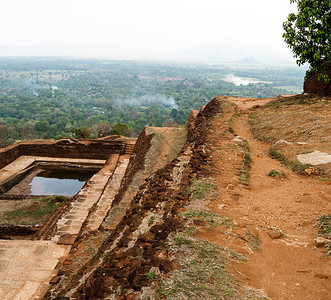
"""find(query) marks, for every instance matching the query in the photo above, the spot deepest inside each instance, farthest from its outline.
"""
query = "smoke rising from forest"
(148, 100)
(32, 85)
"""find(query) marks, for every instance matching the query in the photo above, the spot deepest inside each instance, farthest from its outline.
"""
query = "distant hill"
(247, 61)
(230, 50)
(225, 51)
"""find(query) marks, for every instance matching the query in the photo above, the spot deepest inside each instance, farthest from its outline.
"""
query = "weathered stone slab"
(67, 239)
(27, 268)
(314, 158)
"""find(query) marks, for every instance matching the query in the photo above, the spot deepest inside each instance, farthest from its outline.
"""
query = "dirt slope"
(290, 266)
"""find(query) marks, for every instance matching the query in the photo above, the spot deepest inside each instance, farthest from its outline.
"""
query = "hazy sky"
(148, 25)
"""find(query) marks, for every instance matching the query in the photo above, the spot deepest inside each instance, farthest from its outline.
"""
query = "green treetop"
(308, 34)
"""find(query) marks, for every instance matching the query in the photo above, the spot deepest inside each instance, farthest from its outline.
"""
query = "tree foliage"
(308, 34)
(122, 129)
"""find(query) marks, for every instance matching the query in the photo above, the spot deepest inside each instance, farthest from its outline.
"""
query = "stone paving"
(27, 266)
(108, 196)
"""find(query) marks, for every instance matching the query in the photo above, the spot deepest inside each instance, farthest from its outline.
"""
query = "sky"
(145, 26)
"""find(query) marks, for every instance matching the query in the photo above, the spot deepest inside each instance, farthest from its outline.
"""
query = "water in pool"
(59, 181)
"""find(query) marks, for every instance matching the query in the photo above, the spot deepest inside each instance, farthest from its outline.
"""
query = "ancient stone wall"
(68, 148)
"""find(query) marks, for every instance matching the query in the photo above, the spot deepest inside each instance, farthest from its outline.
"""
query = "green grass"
(236, 114)
(151, 220)
(207, 217)
(277, 174)
(253, 240)
(201, 189)
(189, 230)
(246, 163)
(151, 275)
(105, 254)
(324, 230)
(295, 166)
(36, 212)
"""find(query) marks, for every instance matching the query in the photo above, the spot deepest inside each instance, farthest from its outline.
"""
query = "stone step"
(72, 221)
(105, 201)
(129, 148)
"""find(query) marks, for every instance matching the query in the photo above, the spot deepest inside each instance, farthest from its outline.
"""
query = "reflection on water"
(236, 80)
(59, 182)
(55, 186)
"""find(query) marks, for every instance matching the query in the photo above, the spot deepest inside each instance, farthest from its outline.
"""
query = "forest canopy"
(54, 98)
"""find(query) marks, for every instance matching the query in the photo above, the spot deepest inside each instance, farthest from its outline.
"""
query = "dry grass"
(279, 174)
(324, 230)
(246, 163)
(303, 121)
(202, 189)
(294, 122)
(202, 273)
(207, 218)
(166, 144)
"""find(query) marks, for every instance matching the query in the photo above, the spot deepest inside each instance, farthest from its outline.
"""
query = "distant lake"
(237, 81)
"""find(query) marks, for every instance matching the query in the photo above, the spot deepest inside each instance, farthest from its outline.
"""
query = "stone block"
(60, 251)
(67, 239)
(28, 290)
(40, 275)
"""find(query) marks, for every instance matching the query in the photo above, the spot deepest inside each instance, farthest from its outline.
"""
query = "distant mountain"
(250, 61)
(230, 50)
(225, 51)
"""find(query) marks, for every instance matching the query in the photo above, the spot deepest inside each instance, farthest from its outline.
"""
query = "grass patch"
(290, 101)
(207, 217)
(277, 174)
(151, 276)
(246, 163)
(189, 230)
(202, 189)
(202, 273)
(151, 220)
(236, 114)
(35, 212)
(324, 230)
(253, 240)
(295, 166)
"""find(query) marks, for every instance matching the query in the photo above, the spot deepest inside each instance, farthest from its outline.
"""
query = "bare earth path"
(290, 267)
